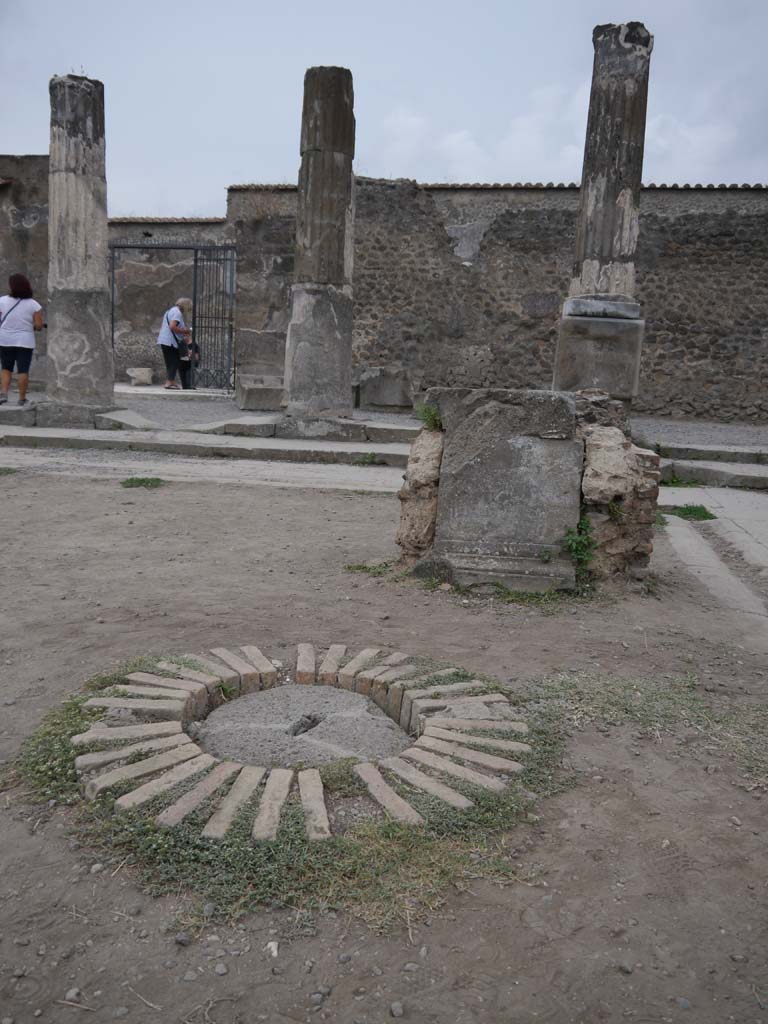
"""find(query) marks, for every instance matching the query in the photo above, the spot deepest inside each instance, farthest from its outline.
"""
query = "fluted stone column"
(601, 331)
(318, 358)
(80, 362)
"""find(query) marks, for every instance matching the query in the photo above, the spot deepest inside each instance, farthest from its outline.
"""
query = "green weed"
(695, 513)
(429, 416)
(150, 482)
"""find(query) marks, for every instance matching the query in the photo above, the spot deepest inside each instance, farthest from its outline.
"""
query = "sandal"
(171, 387)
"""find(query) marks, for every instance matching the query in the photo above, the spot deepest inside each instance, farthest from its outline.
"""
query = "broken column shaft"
(80, 362)
(601, 332)
(318, 358)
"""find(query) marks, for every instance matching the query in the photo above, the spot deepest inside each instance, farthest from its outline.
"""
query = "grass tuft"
(150, 482)
(694, 513)
(7, 470)
(429, 416)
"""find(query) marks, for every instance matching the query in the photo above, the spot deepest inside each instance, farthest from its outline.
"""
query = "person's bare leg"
(23, 382)
(5, 381)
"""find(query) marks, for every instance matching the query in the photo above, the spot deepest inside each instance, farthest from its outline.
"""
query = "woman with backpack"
(20, 316)
(176, 346)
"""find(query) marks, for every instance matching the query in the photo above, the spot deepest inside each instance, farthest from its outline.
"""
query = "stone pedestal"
(510, 488)
(599, 352)
(80, 363)
(318, 353)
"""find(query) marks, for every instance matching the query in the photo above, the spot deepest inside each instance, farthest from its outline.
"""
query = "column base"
(318, 351)
(599, 352)
(80, 361)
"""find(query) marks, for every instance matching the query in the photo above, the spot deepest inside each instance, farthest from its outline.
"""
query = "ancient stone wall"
(463, 285)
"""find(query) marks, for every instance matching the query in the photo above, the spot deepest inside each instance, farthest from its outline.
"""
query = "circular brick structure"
(404, 727)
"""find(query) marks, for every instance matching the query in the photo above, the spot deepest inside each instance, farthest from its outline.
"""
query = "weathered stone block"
(258, 393)
(621, 307)
(59, 414)
(331, 428)
(418, 517)
(599, 352)
(548, 414)
(139, 376)
(510, 488)
(318, 360)
(383, 387)
(424, 459)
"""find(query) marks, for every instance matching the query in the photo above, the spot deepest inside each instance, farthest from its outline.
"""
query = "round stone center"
(300, 725)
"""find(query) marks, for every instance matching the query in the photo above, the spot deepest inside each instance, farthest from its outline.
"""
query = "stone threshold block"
(267, 670)
(459, 771)
(244, 787)
(113, 734)
(313, 803)
(152, 709)
(305, 665)
(479, 741)
(272, 799)
(414, 777)
(329, 667)
(390, 801)
(87, 762)
(501, 764)
(164, 782)
(148, 766)
(599, 352)
(190, 801)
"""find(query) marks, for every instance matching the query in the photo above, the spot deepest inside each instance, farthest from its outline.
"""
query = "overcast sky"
(202, 94)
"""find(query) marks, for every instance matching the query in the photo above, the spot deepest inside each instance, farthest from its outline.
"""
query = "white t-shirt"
(17, 324)
(165, 337)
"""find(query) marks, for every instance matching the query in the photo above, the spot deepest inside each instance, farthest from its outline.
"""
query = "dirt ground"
(642, 892)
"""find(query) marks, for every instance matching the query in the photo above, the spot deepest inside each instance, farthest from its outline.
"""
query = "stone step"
(715, 474)
(170, 442)
(715, 453)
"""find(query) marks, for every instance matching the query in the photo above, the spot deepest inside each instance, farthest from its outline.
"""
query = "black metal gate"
(213, 306)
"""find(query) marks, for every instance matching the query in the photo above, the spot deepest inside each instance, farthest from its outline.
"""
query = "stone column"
(318, 357)
(601, 331)
(80, 363)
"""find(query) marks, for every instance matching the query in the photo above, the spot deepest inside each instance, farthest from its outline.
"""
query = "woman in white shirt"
(174, 341)
(20, 317)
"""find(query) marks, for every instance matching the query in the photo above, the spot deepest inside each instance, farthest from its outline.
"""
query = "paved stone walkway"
(652, 430)
(145, 745)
